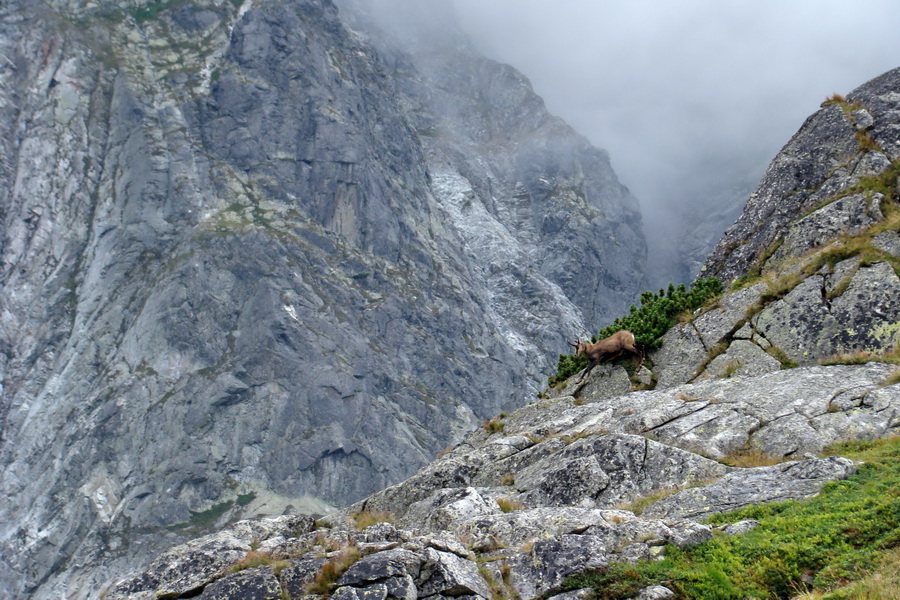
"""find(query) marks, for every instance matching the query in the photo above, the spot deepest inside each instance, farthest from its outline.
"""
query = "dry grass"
(367, 518)
(893, 378)
(865, 143)
(687, 398)
(508, 479)
(443, 452)
(779, 355)
(859, 357)
(509, 505)
(580, 435)
(732, 367)
(254, 559)
(327, 543)
(495, 425)
(332, 570)
(498, 590)
(751, 458)
(638, 505)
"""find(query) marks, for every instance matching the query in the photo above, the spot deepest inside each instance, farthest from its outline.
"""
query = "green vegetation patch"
(827, 547)
(245, 499)
(152, 9)
(208, 517)
(649, 322)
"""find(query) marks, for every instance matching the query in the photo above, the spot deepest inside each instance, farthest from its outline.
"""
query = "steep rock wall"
(235, 280)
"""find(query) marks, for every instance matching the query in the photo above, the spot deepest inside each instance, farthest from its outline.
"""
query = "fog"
(691, 98)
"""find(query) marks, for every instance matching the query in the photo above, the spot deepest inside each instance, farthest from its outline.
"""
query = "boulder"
(613, 469)
(680, 355)
(889, 241)
(807, 325)
(741, 527)
(448, 505)
(742, 357)
(551, 561)
(794, 480)
(796, 323)
(513, 529)
(849, 215)
(450, 575)
(249, 584)
(396, 562)
(869, 311)
(655, 592)
(574, 482)
(715, 324)
(299, 574)
(377, 591)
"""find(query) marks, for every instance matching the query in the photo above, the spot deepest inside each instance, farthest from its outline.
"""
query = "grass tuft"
(638, 505)
(860, 357)
(495, 425)
(509, 505)
(751, 458)
(254, 559)
(367, 518)
(332, 570)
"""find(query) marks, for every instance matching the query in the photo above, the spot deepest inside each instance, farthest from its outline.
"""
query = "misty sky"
(678, 90)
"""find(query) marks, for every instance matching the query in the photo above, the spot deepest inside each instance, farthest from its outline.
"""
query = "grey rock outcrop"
(241, 274)
(788, 481)
(655, 592)
(833, 153)
(807, 325)
(850, 215)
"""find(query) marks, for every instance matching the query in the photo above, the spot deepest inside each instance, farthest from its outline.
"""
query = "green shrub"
(649, 322)
(152, 9)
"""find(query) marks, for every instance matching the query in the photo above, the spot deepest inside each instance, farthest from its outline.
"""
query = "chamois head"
(581, 347)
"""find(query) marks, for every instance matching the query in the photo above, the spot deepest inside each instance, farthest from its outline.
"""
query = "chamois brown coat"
(611, 348)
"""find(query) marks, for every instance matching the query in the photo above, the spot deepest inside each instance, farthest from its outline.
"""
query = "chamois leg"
(587, 371)
(639, 353)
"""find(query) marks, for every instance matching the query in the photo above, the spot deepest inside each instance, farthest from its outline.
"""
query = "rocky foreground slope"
(253, 259)
(554, 488)
(545, 492)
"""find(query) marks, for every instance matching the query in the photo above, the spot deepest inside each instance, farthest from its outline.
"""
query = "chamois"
(607, 349)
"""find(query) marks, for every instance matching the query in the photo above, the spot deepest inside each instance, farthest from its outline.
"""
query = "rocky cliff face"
(547, 491)
(840, 152)
(253, 259)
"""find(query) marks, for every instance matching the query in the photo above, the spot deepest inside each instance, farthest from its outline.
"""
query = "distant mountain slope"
(250, 261)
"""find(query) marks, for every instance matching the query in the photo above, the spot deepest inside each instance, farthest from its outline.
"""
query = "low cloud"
(685, 95)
